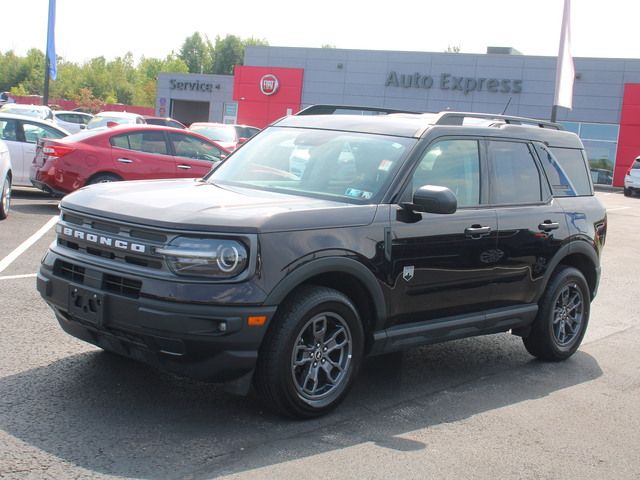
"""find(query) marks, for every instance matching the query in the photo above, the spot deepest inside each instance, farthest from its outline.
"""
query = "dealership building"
(278, 81)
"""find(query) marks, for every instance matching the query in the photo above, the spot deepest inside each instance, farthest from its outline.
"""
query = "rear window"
(573, 167)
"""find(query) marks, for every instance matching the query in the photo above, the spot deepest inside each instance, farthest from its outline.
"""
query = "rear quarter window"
(574, 169)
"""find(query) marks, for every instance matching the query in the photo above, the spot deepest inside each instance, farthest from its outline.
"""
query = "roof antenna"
(506, 106)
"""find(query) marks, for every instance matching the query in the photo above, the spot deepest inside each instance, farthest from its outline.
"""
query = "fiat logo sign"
(269, 84)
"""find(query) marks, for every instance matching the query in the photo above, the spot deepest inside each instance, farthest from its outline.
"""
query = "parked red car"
(124, 152)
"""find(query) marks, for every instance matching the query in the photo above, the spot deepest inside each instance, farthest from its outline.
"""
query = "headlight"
(206, 257)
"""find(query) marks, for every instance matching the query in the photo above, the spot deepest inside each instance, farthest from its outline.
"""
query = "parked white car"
(72, 122)
(5, 180)
(21, 134)
(632, 179)
(37, 111)
(106, 119)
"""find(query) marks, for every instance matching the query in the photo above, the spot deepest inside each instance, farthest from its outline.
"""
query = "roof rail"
(457, 118)
(331, 110)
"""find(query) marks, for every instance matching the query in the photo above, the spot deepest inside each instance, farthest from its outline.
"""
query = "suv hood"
(196, 205)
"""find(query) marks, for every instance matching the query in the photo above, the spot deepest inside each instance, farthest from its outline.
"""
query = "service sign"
(269, 84)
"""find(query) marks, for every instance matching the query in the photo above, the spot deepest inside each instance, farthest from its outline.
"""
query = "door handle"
(548, 225)
(477, 231)
(184, 167)
(125, 160)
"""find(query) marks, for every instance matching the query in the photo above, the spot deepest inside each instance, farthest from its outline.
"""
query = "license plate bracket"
(86, 305)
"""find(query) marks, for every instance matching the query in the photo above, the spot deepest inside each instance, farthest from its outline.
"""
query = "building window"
(600, 142)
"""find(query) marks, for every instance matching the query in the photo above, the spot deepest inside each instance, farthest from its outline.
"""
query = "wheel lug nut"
(323, 360)
(324, 349)
(315, 364)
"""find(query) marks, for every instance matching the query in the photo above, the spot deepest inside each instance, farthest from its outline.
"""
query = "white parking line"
(616, 209)
(24, 246)
(16, 277)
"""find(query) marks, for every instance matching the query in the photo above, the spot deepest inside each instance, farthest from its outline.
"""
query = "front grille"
(112, 241)
(122, 286)
(69, 271)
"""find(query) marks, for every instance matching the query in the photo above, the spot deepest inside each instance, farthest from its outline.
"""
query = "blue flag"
(51, 40)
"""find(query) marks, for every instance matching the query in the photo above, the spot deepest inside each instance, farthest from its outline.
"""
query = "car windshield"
(101, 121)
(217, 133)
(344, 166)
(30, 112)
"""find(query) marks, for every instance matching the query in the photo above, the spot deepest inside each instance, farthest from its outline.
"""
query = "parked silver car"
(5, 180)
(21, 135)
(632, 178)
(73, 122)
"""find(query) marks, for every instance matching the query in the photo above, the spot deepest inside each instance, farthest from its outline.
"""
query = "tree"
(195, 54)
(453, 49)
(229, 51)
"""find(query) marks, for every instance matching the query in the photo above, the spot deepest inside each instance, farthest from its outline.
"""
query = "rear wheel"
(562, 317)
(311, 353)
(5, 198)
(104, 178)
(627, 192)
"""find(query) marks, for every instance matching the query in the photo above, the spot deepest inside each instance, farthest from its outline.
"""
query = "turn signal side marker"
(257, 320)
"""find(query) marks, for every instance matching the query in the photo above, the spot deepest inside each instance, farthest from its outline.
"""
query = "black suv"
(330, 237)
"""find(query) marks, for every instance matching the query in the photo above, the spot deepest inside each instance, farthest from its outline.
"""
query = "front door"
(194, 157)
(444, 265)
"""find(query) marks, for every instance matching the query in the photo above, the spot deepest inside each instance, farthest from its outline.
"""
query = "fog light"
(222, 326)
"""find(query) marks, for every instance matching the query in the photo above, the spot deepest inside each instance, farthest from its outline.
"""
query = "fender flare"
(572, 248)
(332, 265)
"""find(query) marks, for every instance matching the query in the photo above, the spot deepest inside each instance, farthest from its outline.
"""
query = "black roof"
(416, 125)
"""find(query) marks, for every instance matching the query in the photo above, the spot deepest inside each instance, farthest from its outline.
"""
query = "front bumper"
(203, 341)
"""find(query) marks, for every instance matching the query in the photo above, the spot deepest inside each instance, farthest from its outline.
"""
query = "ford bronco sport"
(330, 237)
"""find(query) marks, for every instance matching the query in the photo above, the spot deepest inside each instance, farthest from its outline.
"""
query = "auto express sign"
(447, 81)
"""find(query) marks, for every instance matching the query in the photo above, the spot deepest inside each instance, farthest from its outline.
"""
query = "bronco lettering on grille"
(104, 241)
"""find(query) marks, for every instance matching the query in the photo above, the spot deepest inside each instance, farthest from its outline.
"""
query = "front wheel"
(562, 318)
(311, 354)
(627, 192)
(5, 199)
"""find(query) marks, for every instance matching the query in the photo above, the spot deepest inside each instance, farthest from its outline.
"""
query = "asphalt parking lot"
(476, 408)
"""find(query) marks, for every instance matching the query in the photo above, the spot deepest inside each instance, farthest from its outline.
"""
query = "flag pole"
(45, 94)
(50, 67)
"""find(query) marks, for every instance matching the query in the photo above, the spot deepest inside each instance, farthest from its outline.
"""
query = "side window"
(34, 132)
(454, 164)
(561, 185)
(516, 179)
(148, 142)
(575, 166)
(191, 147)
(9, 130)
(120, 141)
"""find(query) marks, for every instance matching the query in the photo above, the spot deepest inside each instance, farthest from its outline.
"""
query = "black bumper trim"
(208, 342)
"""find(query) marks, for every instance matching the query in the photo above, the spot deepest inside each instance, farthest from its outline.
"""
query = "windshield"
(101, 121)
(30, 112)
(217, 133)
(344, 166)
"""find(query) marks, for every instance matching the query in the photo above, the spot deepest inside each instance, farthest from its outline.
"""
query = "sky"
(154, 28)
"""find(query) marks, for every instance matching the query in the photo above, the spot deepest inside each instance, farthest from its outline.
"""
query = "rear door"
(531, 224)
(194, 156)
(9, 133)
(142, 155)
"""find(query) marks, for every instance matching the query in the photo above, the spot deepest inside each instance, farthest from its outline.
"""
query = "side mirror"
(241, 140)
(433, 199)
(111, 124)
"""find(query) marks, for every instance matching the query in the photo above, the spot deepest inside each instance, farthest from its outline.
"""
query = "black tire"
(5, 198)
(563, 316)
(627, 192)
(296, 363)
(104, 178)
